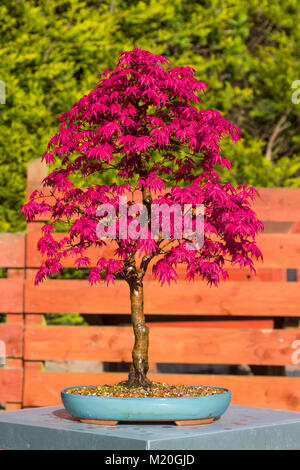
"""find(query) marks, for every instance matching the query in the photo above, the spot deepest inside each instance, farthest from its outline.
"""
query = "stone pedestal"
(241, 427)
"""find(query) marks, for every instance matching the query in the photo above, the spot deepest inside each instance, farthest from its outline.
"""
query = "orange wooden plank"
(230, 298)
(279, 251)
(34, 227)
(13, 406)
(64, 296)
(235, 274)
(37, 170)
(12, 335)
(273, 204)
(13, 363)
(12, 250)
(34, 258)
(167, 344)
(43, 388)
(11, 384)
(31, 273)
(181, 298)
(261, 274)
(295, 227)
(278, 204)
(47, 193)
(11, 295)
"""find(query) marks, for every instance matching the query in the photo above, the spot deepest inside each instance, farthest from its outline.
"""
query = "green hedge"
(53, 52)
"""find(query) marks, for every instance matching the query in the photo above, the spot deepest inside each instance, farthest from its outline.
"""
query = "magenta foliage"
(144, 121)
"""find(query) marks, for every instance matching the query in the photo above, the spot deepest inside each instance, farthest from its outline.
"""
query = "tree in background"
(247, 52)
(145, 123)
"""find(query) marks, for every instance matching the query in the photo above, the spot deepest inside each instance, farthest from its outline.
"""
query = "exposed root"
(137, 378)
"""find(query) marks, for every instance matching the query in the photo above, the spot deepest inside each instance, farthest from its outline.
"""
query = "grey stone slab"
(241, 427)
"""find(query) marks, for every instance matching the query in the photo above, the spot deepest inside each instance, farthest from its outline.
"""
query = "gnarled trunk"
(134, 277)
(139, 366)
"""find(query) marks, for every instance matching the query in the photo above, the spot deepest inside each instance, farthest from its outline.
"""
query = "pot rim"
(64, 392)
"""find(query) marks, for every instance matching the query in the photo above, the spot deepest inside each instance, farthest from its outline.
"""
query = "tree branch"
(280, 126)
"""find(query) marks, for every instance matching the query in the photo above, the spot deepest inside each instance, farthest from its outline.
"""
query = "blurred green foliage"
(247, 52)
(66, 319)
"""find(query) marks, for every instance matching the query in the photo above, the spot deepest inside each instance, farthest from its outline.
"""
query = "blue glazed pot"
(146, 409)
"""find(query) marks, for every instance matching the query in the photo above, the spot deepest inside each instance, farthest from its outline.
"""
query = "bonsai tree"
(144, 125)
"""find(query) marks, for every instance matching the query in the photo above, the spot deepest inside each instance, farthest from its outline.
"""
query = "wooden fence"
(248, 320)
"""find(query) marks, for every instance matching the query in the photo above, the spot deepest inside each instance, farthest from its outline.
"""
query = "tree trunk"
(134, 277)
(139, 366)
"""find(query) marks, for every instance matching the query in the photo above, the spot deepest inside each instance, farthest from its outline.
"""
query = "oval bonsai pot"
(97, 408)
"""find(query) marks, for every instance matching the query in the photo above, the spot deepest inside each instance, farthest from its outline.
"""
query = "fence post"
(36, 172)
